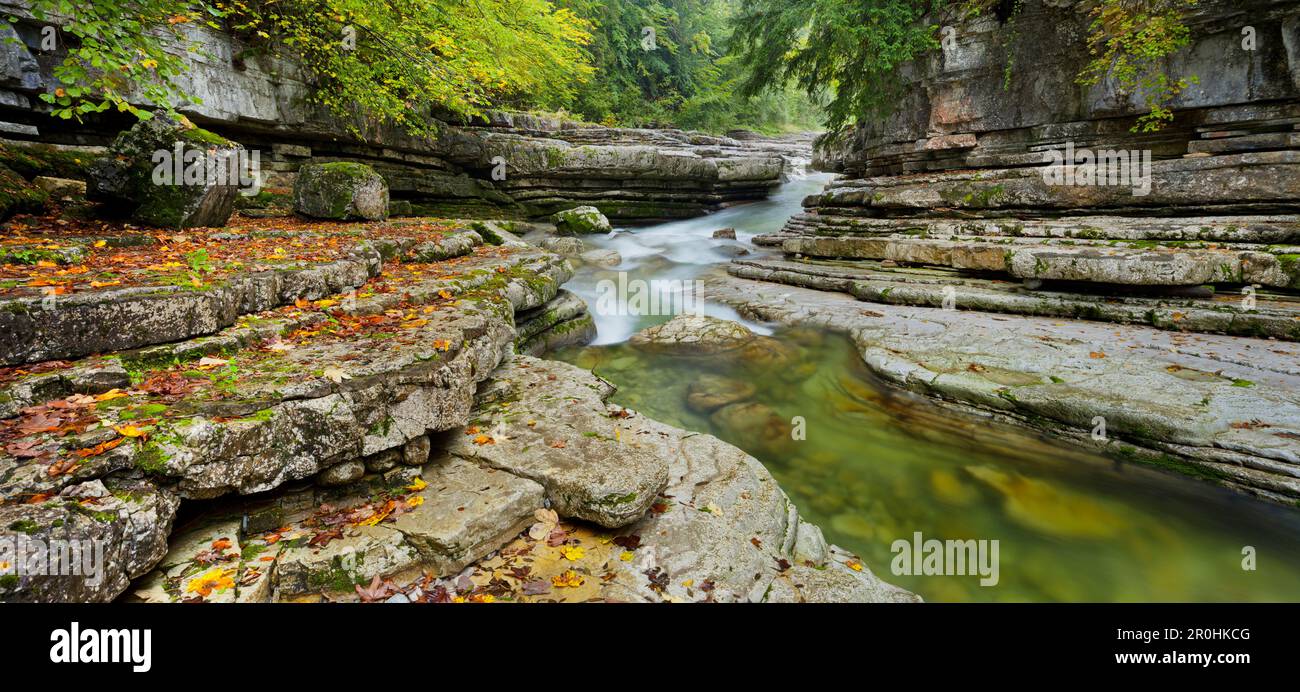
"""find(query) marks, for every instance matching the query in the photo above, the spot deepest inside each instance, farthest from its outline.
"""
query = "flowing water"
(879, 464)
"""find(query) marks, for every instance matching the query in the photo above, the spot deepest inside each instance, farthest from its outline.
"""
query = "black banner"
(1117, 640)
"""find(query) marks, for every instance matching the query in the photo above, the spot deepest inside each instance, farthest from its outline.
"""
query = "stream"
(879, 464)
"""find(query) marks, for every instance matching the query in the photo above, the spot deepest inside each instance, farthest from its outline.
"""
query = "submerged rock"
(1041, 506)
(340, 190)
(757, 424)
(711, 392)
(602, 257)
(581, 221)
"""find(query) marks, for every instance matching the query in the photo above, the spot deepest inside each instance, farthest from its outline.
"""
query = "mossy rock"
(581, 221)
(340, 190)
(19, 196)
(32, 160)
(136, 176)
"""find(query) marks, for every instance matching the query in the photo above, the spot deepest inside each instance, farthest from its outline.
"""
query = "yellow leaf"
(417, 485)
(129, 431)
(215, 579)
(572, 553)
(854, 565)
(626, 556)
(569, 578)
(111, 394)
(101, 243)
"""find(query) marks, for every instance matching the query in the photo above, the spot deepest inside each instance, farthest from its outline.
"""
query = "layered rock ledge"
(688, 517)
(346, 401)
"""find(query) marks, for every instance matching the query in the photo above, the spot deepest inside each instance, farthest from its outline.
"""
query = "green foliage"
(845, 52)
(688, 79)
(117, 46)
(403, 62)
(1129, 42)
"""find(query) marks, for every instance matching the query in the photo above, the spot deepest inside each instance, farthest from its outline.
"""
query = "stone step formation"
(346, 400)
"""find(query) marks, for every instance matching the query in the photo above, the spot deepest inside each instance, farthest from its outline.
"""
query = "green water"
(879, 464)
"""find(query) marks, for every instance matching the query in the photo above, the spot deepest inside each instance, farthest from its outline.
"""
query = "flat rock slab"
(454, 514)
(1163, 266)
(1275, 316)
(539, 421)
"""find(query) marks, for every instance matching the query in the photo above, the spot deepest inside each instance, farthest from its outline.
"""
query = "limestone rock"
(123, 525)
(688, 334)
(342, 474)
(138, 174)
(340, 190)
(577, 451)
(61, 188)
(727, 233)
(581, 221)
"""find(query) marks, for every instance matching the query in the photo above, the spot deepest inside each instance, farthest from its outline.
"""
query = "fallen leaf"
(568, 579)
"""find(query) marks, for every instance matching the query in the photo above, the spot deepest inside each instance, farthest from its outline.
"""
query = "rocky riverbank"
(1046, 260)
(335, 411)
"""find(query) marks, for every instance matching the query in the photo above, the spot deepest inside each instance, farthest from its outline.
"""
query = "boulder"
(139, 174)
(581, 221)
(725, 233)
(692, 335)
(340, 190)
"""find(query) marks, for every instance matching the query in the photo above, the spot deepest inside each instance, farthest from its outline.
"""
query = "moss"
(152, 459)
(250, 551)
(613, 499)
(8, 581)
(18, 196)
(485, 231)
(26, 526)
(206, 138)
(32, 160)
